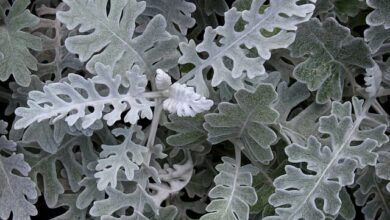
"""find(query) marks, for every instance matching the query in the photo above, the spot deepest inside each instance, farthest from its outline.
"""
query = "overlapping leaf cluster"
(194, 109)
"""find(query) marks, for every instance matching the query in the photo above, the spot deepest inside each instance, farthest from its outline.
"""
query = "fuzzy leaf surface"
(109, 38)
(380, 15)
(15, 57)
(333, 166)
(233, 192)
(66, 100)
(44, 164)
(372, 195)
(117, 200)
(176, 12)
(189, 130)
(246, 122)
(331, 49)
(227, 48)
(16, 189)
(116, 157)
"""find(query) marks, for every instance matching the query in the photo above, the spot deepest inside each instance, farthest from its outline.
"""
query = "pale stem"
(156, 94)
(153, 129)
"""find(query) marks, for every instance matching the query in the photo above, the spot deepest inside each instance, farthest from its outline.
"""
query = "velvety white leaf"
(54, 60)
(382, 168)
(5, 144)
(127, 155)
(66, 100)
(109, 38)
(332, 166)
(227, 48)
(163, 80)
(377, 37)
(17, 190)
(184, 101)
(68, 201)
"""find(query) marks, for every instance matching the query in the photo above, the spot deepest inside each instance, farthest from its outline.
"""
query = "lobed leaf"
(227, 48)
(15, 57)
(372, 195)
(17, 191)
(380, 15)
(331, 50)
(115, 157)
(117, 200)
(109, 38)
(68, 100)
(246, 122)
(176, 12)
(233, 192)
(331, 167)
(45, 165)
(189, 130)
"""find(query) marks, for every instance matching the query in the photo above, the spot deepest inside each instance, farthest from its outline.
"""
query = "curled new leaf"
(163, 80)
(184, 101)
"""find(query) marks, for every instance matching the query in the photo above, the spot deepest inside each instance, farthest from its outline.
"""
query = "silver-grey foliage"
(333, 164)
(67, 97)
(110, 38)
(195, 109)
(227, 48)
(17, 189)
(15, 57)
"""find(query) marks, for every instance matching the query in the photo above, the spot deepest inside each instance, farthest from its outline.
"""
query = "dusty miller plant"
(195, 109)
